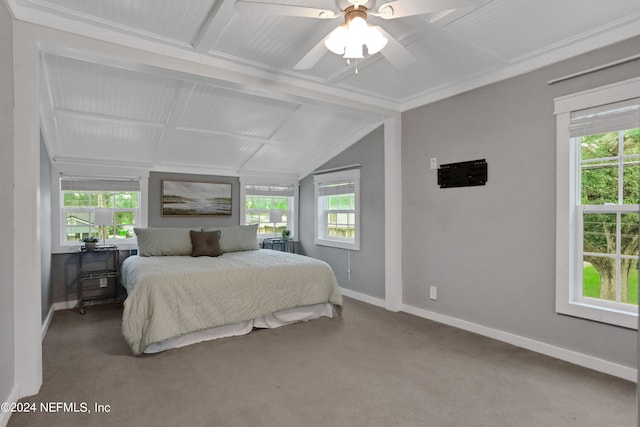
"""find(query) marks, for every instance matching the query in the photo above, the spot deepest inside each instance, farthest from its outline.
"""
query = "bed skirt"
(273, 320)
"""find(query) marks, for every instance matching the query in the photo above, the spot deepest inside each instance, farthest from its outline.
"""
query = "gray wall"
(45, 229)
(155, 191)
(367, 265)
(64, 277)
(491, 250)
(7, 338)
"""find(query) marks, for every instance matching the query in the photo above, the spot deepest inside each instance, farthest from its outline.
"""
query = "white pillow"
(164, 241)
(238, 237)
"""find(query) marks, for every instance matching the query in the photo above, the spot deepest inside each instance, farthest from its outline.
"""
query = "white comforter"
(174, 295)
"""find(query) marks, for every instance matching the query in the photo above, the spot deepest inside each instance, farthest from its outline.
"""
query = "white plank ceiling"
(105, 110)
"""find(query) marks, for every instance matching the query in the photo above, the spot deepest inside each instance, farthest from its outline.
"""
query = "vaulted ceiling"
(102, 109)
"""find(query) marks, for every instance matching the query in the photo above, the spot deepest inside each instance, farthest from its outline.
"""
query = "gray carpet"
(369, 368)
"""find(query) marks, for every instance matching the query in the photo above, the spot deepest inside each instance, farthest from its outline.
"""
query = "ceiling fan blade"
(283, 9)
(313, 56)
(402, 8)
(395, 53)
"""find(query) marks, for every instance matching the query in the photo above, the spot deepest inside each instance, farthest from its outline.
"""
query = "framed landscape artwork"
(189, 198)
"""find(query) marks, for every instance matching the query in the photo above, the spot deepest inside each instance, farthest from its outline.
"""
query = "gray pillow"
(205, 243)
(164, 241)
(238, 237)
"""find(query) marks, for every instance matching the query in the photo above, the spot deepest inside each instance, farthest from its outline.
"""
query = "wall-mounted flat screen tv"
(463, 174)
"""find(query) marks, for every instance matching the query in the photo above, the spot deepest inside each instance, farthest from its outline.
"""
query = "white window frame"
(59, 243)
(292, 213)
(321, 236)
(569, 300)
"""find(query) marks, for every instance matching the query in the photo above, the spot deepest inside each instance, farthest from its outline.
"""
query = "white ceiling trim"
(217, 21)
(594, 34)
(183, 93)
(83, 161)
(254, 85)
(49, 125)
(93, 20)
(569, 48)
(74, 46)
(204, 170)
(251, 157)
(239, 138)
(85, 37)
(106, 118)
(308, 169)
(176, 167)
(314, 90)
(275, 178)
(109, 166)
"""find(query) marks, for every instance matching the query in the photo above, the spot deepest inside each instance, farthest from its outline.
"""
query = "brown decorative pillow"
(205, 243)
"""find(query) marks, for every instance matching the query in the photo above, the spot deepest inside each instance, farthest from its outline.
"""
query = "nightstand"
(278, 244)
(96, 269)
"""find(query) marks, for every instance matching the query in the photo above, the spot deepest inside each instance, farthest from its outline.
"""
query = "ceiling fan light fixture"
(353, 50)
(357, 30)
(375, 40)
(337, 40)
(349, 39)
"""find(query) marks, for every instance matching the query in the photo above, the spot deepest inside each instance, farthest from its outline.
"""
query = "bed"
(176, 299)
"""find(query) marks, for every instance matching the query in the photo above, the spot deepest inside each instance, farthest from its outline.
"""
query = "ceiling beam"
(105, 118)
(182, 96)
(216, 23)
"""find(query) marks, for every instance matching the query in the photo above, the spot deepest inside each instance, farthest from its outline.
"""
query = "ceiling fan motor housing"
(352, 12)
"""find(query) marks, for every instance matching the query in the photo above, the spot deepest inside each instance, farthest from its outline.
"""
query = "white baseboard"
(47, 322)
(12, 398)
(571, 356)
(64, 305)
(363, 297)
(600, 365)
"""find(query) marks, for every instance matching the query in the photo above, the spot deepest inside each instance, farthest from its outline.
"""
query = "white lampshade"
(358, 29)
(349, 40)
(103, 216)
(353, 50)
(337, 40)
(375, 40)
(275, 216)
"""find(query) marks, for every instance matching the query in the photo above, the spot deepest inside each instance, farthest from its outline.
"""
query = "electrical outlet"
(103, 282)
(433, 292)
(434, 163)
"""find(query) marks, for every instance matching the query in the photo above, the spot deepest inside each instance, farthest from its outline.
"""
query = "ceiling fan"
(350, 38)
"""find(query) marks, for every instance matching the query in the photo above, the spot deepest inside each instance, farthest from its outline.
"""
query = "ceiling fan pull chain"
(349, 64)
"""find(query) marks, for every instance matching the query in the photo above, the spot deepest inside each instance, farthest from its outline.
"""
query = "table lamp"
(103, 217)
(275, 216)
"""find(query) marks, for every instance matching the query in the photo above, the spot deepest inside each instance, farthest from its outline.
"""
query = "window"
(108, 209)
(337, 197)
(601, 132)
(272, 207)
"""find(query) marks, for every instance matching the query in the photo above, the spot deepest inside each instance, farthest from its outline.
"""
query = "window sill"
(600, 314)
(338, 244)
(66, 249)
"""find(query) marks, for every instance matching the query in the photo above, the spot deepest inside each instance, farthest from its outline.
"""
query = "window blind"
(269, 190)
(99, 184)
(336, 188)
(605, 118)
(335, 183)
